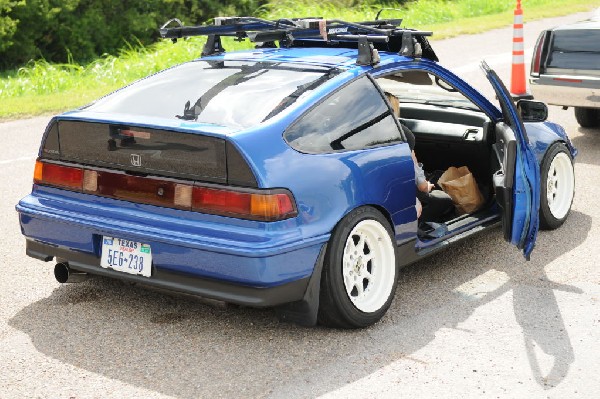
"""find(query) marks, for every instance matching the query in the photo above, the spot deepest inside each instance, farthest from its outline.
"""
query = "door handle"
(471, 134)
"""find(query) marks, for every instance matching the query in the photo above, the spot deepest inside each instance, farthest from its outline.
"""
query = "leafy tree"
(80, 30)
(8, 25)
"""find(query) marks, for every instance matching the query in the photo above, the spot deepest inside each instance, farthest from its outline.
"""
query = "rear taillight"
(536, 61)
(58, 175)
(263, 205)
(272, 205)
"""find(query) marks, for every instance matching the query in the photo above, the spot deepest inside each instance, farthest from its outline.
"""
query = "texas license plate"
(126, 256)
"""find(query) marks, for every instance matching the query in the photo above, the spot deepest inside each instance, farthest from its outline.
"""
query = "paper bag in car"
(461, 186)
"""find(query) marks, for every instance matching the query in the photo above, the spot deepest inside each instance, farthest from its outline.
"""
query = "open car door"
(517, 183)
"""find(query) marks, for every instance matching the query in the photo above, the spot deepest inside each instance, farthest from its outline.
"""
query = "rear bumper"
(243, 262)
(178, 282)
(567, 90)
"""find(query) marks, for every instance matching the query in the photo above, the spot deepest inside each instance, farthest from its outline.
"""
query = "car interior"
(450, 130)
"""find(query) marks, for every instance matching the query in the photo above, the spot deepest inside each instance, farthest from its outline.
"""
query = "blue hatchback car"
(282, 177)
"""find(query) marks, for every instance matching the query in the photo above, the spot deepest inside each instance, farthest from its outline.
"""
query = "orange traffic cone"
(517, 81)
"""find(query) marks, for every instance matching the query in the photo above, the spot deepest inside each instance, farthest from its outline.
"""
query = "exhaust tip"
(64, 274)
(61, 272)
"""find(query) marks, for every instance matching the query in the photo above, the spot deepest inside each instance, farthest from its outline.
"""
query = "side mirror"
(532, 111)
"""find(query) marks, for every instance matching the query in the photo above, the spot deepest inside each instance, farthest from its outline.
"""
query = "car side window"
(354, 117)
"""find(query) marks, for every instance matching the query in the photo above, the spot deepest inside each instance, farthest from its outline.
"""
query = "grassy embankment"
(40, 87)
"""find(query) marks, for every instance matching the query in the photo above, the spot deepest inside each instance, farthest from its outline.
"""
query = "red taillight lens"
(267, 207)
(536, 61)
(206, 199)
(58, 175)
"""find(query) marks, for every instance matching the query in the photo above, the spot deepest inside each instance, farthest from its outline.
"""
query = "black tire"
(587, 117)
(560, 178)
(376, 278)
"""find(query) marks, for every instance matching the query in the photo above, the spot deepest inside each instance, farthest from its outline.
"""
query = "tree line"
(81, 30)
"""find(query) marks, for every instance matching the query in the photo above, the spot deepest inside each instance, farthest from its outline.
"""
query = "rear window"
(575, 49)
(147, 151)
(577, 40)
(227, 93)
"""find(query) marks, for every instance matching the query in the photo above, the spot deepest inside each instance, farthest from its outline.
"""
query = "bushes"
(8, 26)
(62, 30)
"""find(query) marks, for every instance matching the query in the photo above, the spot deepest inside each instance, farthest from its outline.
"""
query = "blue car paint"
(326, 187)
(542, 135)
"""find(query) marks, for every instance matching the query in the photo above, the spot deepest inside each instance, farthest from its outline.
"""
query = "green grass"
(483, 23)
(41, 87)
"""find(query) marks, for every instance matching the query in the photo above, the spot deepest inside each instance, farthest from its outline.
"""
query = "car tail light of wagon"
(538, 55)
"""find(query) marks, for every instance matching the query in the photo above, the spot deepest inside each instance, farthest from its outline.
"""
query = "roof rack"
(367, 37)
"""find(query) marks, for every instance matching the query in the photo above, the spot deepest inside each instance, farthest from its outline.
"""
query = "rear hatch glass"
(575, 49)
(147, 151)
(235, 94)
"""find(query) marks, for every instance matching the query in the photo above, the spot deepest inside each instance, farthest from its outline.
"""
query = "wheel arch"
(543, 135)
(382, 209)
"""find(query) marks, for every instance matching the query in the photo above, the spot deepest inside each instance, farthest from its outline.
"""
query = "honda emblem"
(136, 160)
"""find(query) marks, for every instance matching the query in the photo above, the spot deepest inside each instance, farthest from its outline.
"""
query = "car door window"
(354, 117)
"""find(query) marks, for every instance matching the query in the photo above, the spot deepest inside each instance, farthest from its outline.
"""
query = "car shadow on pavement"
(183, 347)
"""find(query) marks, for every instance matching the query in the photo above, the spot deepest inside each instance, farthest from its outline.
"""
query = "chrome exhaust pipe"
(64, 274)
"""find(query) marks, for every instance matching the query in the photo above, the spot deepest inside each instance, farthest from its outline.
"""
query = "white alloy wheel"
(369, 269)
(560, 185)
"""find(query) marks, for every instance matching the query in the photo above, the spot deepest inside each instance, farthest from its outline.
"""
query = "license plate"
(126, 256)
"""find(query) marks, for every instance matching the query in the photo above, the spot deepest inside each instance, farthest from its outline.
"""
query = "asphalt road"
(473, 321)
